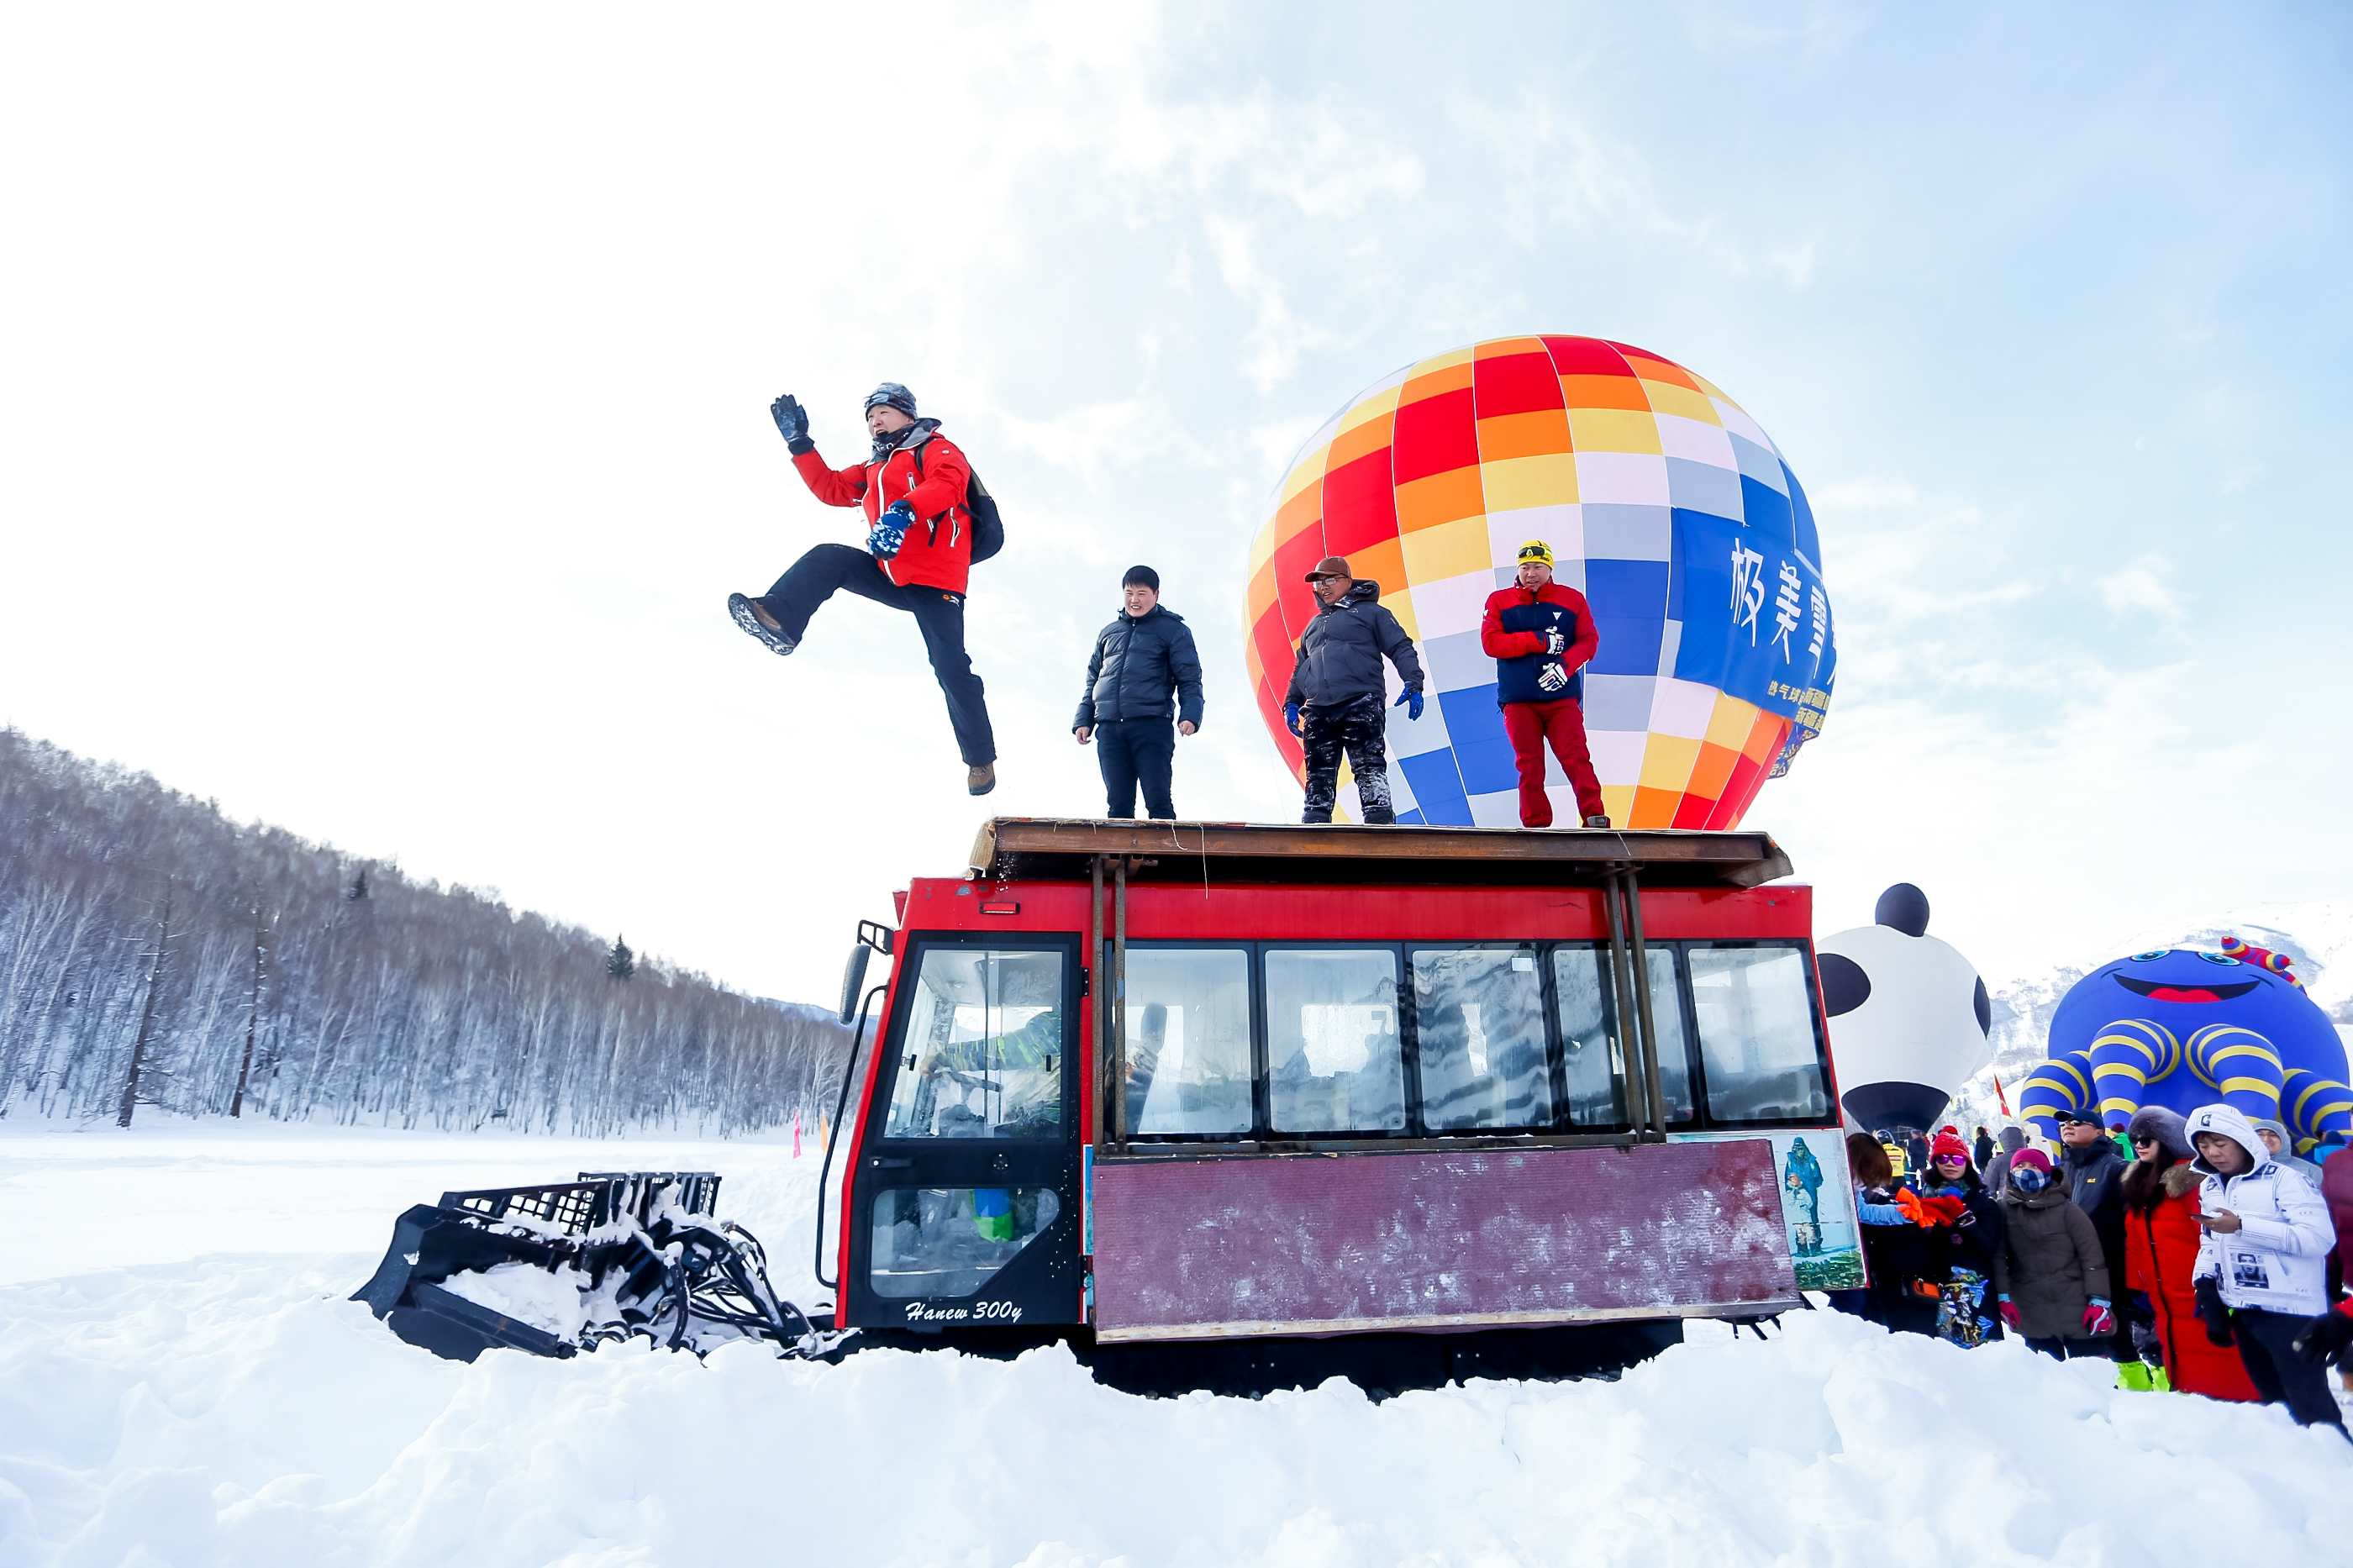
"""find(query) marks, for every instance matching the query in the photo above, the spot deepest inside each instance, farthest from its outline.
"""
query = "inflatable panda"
(1908, 1015)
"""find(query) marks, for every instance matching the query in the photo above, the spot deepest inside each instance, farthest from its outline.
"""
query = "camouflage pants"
(1360, 728)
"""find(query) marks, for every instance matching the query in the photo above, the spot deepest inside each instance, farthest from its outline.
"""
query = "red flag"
(1999, 1098)
(796, 1134)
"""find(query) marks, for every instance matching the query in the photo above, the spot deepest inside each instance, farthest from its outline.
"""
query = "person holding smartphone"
(2262, 1265)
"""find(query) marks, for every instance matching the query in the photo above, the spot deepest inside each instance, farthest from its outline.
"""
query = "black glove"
(792, 420)
(2210, 1309)
(2323, 1339)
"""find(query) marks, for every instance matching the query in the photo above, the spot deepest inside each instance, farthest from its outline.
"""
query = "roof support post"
(1632, 1037)
(1641, 957)
(1099, 1006)
(1119, 1002)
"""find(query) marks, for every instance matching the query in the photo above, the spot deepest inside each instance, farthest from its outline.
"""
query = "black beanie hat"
(1144, 574)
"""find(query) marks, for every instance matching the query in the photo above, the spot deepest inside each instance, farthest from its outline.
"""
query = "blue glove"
(792, 422)
(1291, 719)
(1410, 702)
(889, 530)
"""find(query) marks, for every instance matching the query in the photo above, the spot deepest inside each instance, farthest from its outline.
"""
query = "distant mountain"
(2317, 936)
(154, 952)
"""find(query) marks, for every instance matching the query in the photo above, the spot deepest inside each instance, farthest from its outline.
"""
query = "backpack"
(987, 527)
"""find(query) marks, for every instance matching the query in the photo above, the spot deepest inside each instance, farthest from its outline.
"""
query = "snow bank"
(234, 1409)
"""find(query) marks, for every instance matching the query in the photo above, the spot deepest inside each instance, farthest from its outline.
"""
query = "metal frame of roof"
(1037, 848)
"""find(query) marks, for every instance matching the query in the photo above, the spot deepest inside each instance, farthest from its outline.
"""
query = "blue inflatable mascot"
(2182, 1028)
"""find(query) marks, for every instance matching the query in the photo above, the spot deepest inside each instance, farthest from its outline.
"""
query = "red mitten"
(2009, 1312)
(1944, 1208)
(2098, 1321)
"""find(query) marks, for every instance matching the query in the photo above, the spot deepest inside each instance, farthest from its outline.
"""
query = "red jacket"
(1504, 646)
(2160, 1249)
(938, 551)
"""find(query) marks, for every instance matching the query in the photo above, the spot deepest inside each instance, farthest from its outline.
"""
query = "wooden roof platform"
(1054, 849)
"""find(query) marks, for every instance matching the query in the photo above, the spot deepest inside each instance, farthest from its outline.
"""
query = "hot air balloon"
(1664, 504)
(1908, 1014)
(2183, 1027)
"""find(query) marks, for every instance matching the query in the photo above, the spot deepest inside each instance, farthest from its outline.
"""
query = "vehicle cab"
(1199, 1083)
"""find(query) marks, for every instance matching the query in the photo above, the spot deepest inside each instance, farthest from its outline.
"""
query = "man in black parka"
(1334, 702)
(1143, 673)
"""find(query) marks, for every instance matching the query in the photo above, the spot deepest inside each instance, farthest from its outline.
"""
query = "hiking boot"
(980, 780)
(1597, 822)
(754, 618)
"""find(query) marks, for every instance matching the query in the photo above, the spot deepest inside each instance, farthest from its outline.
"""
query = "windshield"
(983, 1054)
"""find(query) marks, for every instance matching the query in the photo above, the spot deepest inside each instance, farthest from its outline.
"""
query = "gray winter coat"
(1140, 660)
(2012, 1141)
(2050, 1265)
(1340, 652)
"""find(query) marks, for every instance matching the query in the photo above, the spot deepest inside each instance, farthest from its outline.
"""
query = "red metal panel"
(1179, 910)
(1322, 1244)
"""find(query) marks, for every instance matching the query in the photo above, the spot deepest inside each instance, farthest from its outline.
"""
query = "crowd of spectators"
(2200, 1255)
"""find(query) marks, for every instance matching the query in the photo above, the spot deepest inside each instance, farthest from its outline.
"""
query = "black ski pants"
(2280, 1375)
(939, 615)
(1137, 751)
(1360, 728)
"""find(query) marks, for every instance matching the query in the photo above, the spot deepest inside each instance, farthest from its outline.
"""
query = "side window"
(983, 1055)
(1756, 1039)
(1189, 1041)
(1480, 1017)
(1332, 1040)
(1590, 1044)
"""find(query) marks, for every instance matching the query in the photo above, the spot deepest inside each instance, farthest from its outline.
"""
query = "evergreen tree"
(358, 889)
(620, 963)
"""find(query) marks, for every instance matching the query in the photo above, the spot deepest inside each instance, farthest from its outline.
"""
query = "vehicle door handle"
(890, 1164)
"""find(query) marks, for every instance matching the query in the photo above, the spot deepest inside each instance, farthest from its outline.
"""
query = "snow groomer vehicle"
(1227, 1104)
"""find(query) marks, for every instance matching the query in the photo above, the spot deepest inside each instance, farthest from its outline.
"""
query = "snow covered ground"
(181, 1382)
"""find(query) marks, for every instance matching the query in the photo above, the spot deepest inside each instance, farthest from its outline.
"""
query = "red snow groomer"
(1233, 1106)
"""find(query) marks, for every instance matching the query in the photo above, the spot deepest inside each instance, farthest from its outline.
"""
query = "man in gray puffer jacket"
(1335, 703)
(1144, 672)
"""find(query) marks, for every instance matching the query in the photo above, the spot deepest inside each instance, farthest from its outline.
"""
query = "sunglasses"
(2143, 1141)
(1952, 1158)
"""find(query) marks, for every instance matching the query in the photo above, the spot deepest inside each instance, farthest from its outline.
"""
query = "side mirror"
(854, 983)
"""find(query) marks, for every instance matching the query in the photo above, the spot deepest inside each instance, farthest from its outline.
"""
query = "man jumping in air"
(917, 558)
(1541, 635)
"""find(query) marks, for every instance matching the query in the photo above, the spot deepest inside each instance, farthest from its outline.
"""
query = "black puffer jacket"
(1340, 652)
(1139, 660)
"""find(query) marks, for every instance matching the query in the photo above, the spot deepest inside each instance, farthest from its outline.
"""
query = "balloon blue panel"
(1754, 620)
(1438, 789)
(1703, 487)
(1619, 531)
(1759, 463)
(1628, 599)
(1810, 544)
(1768, 511)
(1482, 751)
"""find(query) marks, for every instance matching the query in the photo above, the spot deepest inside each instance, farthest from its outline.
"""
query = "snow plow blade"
(564, 1268)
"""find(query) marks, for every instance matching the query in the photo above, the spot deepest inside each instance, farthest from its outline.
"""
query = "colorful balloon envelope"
(1664, 503)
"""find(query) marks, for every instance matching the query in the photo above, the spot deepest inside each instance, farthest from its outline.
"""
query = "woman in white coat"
(2262, 1266)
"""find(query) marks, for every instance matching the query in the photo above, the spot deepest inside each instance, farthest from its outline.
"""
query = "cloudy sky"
(383, 408)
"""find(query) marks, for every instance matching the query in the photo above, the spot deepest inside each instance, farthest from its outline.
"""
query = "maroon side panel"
(1321, 1244)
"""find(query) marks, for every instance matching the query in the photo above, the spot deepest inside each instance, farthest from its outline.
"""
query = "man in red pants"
(1541, 635)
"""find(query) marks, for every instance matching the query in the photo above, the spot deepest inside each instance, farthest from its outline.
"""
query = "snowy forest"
(154, 952)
